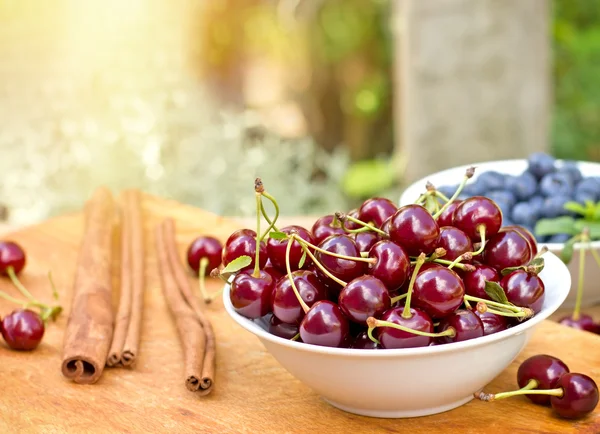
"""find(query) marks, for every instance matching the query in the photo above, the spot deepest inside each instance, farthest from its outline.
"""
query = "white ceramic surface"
(591, 294)
(408, 382)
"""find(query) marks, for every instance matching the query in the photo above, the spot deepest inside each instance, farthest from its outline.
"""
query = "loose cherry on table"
(23, 329)
(376, 210)
(204, 248)
(541, 371)
(581, 322)
(276, 249)
(12, 258)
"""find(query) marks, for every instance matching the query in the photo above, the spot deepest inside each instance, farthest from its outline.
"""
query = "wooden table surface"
(253, 393)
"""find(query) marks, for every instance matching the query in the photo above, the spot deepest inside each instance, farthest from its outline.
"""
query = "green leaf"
(302, 259)
(496, 292)
(575, 207)
(597, 212)
(237, 264)
(567, 251)
(535, 266)
(559, 225)
(277, 235)
(594, 228)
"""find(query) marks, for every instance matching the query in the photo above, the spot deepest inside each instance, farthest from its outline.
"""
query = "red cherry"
(414, 228)
(204, 247)
(276, 249)
(476, 212)
(445, 218)
(11, 255)
(507, 249)
(364, 342)
(324, 324)
(438, 290)
(390, 337)
(344, 269)
(524, 289)
(466, 324)
(527, 234)
(251, 296)
(584, 322)
(243, 243)
(325, 227)
(392, 266)
(23, 329)
(544, 369)
(455, 242)
(282, 329)
(492, 323)
(474, 281)
(365, 240)
(580, 396)
(285, 303)
(350, 224)
(376, 210)
(362, 298)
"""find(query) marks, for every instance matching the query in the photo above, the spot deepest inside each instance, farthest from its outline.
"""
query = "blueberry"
(491, 180)
(559, 238)
(571, 169)
(507, 222)
(524, 214)
(502, 196)
(536, 202)
(523, 186)
(447, 190)
(540, 164)
(474, 188)
(554, 206)
(583, 196)
(556, 184)
(591, 186)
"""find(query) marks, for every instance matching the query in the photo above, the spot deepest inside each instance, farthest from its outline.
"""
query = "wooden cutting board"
(253, 393)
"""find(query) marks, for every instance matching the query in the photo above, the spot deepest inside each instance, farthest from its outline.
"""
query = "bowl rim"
(403, 200)
(560, 273)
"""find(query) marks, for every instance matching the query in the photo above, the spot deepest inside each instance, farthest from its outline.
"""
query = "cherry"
(276, 249)
(507, 249)
(350, 224)
(282, 329)
(582, 322)
(415, 229)
(11, 255)
(250, 295)
(325, 227)
(579, 396)
(324, 324)
(491, 322)
(343, 269)
(376, 210)
(477, 215)
(243, 242)
(466, 324)
(385, 227)
(393, 338)
(526, 234)
(22, 329)
(204, 247)
(455, 242)
(524, 289)
(365, 240)
(438, 290)
(474, 281)
(275, 273)
(363, 297)
(541, 372)
(445, 218)
(392, 266)
(363, 342)
(286, 306)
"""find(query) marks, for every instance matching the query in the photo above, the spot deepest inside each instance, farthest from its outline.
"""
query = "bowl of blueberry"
(390, 311)
(553, 199)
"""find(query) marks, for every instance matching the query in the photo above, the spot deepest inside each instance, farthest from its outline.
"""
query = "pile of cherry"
(383, 277)
(23, 328)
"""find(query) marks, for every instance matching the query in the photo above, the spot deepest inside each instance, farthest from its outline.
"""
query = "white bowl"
(453, 176)
(407, 382)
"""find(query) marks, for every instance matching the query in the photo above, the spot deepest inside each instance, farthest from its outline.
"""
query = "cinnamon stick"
(90, 325)
(208, 369)
(125, 343)
(190, 331)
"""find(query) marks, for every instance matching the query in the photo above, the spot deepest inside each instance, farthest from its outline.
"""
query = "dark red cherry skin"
(584, 322)
(275, 273)
(23, 329)
(393, 338)
(363, 342)
(526, 234)
(492, 323)
(414, 228)
(243, 242)
(474, 212)
(445, 218)
(580, 396)
(507, 249)
(544, 369)
(363, 297)
(276, 249)
(251, 296)
(376, 210)
(350, 224)
(285, 303)
(365, 240)
(386, 227)
(392, 266)
(474, 281)
(438, 291)
(524, 289)
(282, 329)
(11, 255)
(465, 323)
(204, 247)
(343, 269)
(325, 227)
(324, 324)
(455, 242)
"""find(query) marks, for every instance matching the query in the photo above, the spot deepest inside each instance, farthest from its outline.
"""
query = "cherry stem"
(441, 195)
(481, 229)
(356, 231)
(406, 311)
(271, 223)
(374, 322)
(53, 286)
(15, 280)
(291, 278)
(264, 214)
(577, 309)
(543, 250)
(464, 267)
(396, 299)
(343, 218)
(208, 298)
(524, 313)
(496, 304)
(465, 256)
(295, 337)
(256, 272)
(318, 264)
(468, 175)
(335, 255)
(529, 389)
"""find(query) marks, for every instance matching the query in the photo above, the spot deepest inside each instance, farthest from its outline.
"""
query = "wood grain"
(252, 394)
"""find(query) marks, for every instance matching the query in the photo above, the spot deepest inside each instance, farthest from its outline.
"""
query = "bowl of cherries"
(390, 311)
